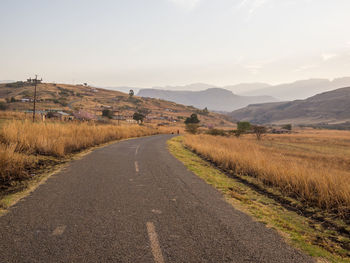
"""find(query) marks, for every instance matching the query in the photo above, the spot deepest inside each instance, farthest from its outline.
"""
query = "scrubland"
(23, 143)
(312, 166)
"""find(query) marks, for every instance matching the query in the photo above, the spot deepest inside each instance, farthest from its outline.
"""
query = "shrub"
(192, 119)
(243, 126)
(138, 117)
(3, 106)
(107, 113)
(216, 132)
(192, 128)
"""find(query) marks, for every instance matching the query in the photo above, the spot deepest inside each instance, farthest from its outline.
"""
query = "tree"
(107, 113)
(144, 111)
(138, 117)
(243, 126)
(192, 119)
(131, 93)
(259, 131)
(205, 111)
(3, 106)
(84, 115)
(192, 128)
(13, 99)
(192, 124)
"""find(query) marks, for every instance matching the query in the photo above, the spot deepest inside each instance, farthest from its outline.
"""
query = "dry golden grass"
(59, 139)
(14, 115)
(310, 165)
(13, 165)
(22, 141)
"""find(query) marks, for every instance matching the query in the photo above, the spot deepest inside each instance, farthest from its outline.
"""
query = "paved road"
(133, 202)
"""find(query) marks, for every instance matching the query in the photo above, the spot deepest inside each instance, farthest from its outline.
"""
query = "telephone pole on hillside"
(34, 101)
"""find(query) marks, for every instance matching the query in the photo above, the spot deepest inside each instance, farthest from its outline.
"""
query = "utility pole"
(35, 82)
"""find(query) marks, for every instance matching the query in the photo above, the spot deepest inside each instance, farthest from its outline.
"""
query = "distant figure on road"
(178, 132)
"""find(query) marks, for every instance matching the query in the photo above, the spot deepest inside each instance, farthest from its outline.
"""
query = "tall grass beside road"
(59, 139)
(23, 143)
(312, 167)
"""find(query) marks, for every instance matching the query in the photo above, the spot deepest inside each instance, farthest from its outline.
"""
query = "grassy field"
(305, 232)
(312, 166)
(26, 147)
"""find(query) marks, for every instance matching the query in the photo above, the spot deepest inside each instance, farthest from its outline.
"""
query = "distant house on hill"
(59, 115)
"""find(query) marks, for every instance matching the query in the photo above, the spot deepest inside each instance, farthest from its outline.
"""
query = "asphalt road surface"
(133, 201)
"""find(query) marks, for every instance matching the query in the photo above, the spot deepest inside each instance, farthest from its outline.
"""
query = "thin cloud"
(328, 56)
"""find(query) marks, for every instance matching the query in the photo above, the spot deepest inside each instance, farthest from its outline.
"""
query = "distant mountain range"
(233, 97)
(216, 99)
(329, 107)
(300, 89)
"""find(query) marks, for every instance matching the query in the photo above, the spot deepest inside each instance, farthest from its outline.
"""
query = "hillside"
(217, 99)
(301, 89)
(329, 107)
(71, 98)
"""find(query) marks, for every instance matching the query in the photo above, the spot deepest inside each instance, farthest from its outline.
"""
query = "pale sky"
(147, 43)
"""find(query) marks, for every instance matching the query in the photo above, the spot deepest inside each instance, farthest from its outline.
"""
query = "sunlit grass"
(300, 231)
(305, 165)
(23, 141)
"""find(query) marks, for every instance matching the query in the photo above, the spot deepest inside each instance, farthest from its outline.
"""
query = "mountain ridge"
(217, 99)
(327, 107)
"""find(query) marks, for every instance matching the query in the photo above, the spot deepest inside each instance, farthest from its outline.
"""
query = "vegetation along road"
(133, 201)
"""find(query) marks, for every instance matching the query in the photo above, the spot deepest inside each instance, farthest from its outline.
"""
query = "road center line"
(59, 230)
(156, 251)
(137, 149)
(136, 166)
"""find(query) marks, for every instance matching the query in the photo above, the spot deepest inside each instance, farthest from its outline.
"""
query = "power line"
(34, 101)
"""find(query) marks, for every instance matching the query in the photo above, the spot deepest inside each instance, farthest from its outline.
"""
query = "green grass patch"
(299, 231)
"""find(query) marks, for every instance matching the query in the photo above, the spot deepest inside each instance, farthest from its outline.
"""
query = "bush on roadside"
(192, 128)
(216, 132)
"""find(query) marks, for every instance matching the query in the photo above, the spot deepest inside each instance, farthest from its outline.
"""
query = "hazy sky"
(174, 42)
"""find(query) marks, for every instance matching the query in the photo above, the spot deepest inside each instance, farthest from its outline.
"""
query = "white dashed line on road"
(136, 167)
(153, 237)
(59, 230)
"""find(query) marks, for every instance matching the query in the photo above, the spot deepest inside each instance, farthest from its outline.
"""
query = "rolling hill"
(331, 107)
(70, 98)
(216, 99)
